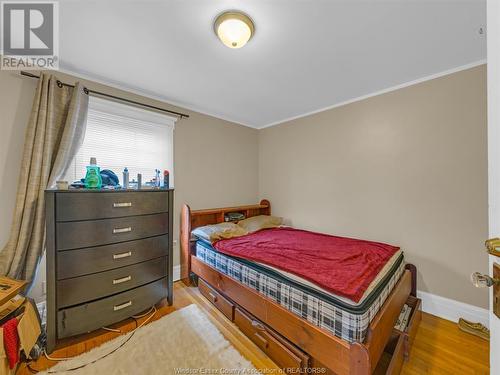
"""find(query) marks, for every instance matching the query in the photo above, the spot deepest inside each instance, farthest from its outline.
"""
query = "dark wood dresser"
(109, 256)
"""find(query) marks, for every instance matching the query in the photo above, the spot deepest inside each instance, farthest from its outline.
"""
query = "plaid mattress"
(321, 311)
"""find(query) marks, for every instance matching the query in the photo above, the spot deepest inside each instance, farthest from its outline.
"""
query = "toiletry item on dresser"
(93, 177)
(125, 178)
(157, 178)
(139, 181)
(166, 179)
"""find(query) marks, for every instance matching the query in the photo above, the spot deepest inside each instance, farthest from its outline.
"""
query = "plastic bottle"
(125, 178)
(157, 178)
(93, 176)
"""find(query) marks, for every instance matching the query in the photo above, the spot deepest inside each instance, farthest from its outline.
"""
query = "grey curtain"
(55, 132)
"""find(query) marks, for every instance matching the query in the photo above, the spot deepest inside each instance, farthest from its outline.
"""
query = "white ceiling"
(305, 55)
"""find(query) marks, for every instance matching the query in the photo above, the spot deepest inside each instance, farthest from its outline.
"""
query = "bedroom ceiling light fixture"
(234, 28)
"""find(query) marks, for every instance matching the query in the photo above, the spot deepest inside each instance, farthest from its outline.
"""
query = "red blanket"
(343, 266)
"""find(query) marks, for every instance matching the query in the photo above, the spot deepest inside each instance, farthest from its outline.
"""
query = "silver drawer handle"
(122, 255)
(122, 306)
(122, 230)
(122, 280)
(122, 204)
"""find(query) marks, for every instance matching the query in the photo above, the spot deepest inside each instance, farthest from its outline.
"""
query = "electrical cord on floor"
(143, 315)
(135, 317)
(111, 329)
(153, 310)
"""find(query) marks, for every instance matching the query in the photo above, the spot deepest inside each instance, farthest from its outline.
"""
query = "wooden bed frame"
(336, 354)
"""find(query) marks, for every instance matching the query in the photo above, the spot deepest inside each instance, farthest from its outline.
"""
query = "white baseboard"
(177, 272)
(452, 310)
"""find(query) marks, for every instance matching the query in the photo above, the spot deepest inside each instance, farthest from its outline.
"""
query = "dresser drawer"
(282, 352)
(79, 234)
(103, 205)
(73, 263)
(85, 288)
(94, 315)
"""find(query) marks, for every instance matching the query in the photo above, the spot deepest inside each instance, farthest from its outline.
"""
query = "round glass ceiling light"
(234, 29)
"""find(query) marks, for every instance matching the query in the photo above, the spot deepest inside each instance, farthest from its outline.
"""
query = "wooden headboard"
(191, 219)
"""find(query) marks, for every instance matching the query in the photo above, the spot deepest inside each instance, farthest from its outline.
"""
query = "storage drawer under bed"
(280, 350)
(222, 303)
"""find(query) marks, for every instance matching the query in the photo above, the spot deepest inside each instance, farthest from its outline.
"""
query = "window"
(122, 136)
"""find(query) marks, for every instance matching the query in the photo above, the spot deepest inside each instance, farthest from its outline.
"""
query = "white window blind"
(122, 136)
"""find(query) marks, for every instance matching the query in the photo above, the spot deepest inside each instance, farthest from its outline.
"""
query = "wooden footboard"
(338, 355)
(380, 328)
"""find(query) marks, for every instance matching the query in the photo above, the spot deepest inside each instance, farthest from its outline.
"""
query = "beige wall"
(205, 148)
(408, 167)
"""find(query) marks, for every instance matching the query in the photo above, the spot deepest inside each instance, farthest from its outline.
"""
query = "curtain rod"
(98, 93)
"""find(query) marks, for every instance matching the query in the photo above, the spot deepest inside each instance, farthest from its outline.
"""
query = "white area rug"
(183, 342)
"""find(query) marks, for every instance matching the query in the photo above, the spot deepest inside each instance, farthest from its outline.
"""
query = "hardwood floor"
(440, 347)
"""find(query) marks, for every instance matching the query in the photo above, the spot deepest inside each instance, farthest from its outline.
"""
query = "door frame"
(493, 51)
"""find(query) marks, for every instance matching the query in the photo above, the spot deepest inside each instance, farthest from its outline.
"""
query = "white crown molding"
(380, 92)
(165, 100)
(159, 98)
(452, 310)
